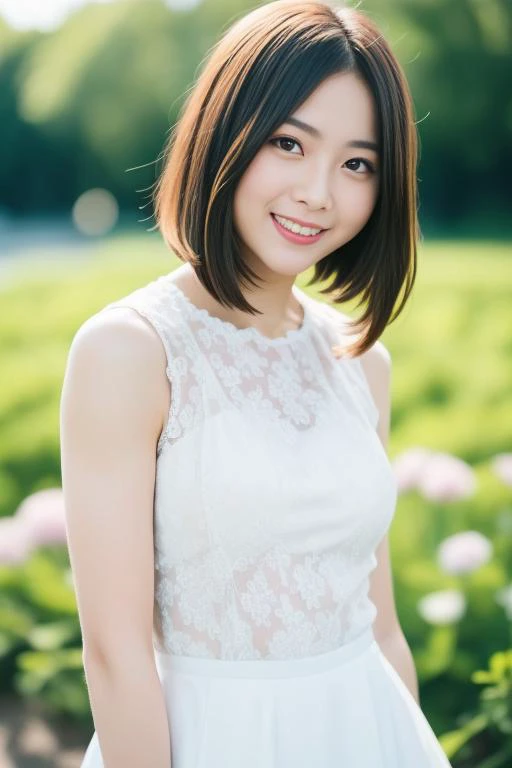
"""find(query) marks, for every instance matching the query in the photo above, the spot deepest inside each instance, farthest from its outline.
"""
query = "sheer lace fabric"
(272, 486)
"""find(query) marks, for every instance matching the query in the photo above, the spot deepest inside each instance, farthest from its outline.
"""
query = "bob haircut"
(262, 69)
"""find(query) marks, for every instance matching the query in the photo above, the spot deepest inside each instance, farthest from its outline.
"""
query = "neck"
(281, 311)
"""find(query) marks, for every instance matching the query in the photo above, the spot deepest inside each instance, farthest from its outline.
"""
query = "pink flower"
(464, 552)
(501, 465)
(15, 541)
(444, 607)
(446, 478)
(42, 515)
(408, 466)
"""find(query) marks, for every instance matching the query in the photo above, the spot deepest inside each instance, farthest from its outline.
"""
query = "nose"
(314, 189)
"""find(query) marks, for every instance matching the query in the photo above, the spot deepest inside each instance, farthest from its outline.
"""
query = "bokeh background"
(88, 95)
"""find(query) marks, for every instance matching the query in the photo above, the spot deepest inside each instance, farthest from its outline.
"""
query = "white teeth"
(296, 228)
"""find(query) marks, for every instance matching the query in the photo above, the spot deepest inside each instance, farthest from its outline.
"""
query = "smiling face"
(326, 175)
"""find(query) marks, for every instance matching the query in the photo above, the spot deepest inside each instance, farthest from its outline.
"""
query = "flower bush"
(40, 637)
(483, 734)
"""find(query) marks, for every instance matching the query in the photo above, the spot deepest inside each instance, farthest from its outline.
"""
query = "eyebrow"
(356, 143)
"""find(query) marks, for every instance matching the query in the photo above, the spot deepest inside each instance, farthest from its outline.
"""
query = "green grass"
(451, 391)
(451, 349)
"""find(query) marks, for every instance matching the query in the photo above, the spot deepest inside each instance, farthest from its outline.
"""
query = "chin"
(287, 268)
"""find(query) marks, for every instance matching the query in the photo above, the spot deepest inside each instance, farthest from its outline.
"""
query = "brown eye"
(278, 139)
(358, 161)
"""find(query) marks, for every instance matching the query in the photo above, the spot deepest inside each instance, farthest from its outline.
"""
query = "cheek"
(359, 203)
(257, 181)
(244, 196)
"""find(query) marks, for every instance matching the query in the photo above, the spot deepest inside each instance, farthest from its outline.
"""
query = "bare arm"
(111, 417)
(387, 629)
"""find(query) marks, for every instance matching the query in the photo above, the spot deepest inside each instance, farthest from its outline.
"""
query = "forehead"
(341, 106)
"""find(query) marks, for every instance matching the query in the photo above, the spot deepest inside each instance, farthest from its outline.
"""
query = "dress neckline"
(228, 328)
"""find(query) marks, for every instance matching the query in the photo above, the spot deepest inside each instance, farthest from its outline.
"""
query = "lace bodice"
(272, 487)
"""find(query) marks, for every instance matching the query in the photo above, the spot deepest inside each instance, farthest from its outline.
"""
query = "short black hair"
(261, 70)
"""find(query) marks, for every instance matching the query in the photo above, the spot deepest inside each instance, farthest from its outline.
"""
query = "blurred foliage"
(456, 54)
(452, 393)
(92, 103)
(460, 309)
(495, 713)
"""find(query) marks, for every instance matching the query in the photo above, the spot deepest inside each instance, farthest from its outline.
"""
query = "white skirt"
(348, 707)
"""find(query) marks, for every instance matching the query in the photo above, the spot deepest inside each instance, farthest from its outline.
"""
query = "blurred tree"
(83, 105)
(458, 60)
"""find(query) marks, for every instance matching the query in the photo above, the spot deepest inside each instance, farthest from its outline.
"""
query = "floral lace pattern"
(272, 487)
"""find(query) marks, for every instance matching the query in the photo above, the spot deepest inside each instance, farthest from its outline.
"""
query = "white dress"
(272, 493)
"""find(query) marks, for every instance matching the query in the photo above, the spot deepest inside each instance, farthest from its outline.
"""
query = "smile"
(295, 237)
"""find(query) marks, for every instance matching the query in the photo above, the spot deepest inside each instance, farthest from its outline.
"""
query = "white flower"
(408, 465)
(444, 607)
(38, 521)
(15, 541)
(501, 465)
(504, 597)
(446, 478)
(42, 515)
(464, 552)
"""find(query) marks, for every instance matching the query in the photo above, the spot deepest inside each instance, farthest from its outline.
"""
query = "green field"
(451, 350)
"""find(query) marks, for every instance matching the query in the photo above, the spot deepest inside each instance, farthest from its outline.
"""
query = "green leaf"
(48, 637)
(452, 741)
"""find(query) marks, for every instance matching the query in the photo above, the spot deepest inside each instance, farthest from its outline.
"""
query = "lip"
(300, 222)
(294, 238)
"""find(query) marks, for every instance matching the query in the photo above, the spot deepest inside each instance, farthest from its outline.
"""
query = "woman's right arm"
(110, 421)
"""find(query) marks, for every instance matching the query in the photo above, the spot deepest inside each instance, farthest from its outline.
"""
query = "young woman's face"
(328, 177)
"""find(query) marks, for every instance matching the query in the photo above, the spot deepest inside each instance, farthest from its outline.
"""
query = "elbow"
(112, 657)
(386, 633)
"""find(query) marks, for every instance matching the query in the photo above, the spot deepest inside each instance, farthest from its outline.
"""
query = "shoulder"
(115, 368)
(118, 336)
(144, 321)
(377, 361)
(376, 364)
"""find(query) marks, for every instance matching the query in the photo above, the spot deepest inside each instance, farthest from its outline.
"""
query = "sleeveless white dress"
(272, 493)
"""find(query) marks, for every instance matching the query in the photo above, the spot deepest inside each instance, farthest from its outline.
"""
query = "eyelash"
(367, 163)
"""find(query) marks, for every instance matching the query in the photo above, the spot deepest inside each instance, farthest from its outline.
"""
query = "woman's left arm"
(396, 649)
(387, 630)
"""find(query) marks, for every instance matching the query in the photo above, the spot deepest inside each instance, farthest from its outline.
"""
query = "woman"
(227, 488)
